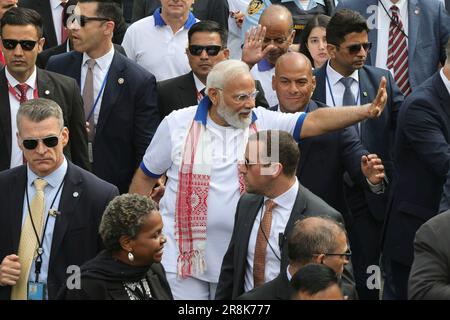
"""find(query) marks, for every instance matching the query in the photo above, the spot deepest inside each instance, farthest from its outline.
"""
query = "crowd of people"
(240, 149)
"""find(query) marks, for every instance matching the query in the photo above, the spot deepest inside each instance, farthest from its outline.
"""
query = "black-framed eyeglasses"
(27, 45)
(197, 50)
(82, 20)
(247, 163)
(50, 142)
(355, 48)
(346, 255)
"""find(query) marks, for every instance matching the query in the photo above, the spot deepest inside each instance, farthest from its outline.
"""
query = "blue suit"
(422, 161)
(428, 32)
(377, 135)
(128, 116)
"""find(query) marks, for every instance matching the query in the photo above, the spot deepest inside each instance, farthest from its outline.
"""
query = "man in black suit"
(269, 177)
(207, 46)
(422, 160)
(20, 72)
(125, 116)
(344, 80)
(50, 204)
(317, 240)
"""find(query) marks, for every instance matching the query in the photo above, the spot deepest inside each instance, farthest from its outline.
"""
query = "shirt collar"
(202, 111)
(103, 62)
(312, 3)
(335, 76)
(198, 84)
(446, 80)
(54, 179)
(287, 199)
(55, 4)
(159, 21)
(264, 65)
(388, 4)
(31, 81)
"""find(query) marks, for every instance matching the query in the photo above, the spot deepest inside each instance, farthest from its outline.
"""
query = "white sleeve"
(128, 44)
(273, 120)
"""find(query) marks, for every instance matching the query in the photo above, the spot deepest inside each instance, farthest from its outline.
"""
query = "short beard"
(232, 118)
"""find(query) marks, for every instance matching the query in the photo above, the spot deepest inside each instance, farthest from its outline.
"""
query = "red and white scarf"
(191, 211)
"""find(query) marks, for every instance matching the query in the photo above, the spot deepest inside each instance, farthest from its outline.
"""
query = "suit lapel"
(17, 196)
(45, 85)
(413, 28)
(188, 90)
(74, 67)
(5, 112)
(113, 89)
(48, 21)
(248, 217)
(365, 94)
(71, 193)
(297, 211)
(320, 93)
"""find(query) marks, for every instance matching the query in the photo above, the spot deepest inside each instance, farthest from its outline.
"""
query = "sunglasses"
(347, 255)
(27, 45)
(31, 144)
(197, 50)
(355, 48)
(82, 20)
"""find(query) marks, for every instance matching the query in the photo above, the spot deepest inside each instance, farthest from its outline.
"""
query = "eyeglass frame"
(21, 42)
(347, 255)
(243, 97)
(359, 45)
(248, 164)
(205, 48)
(44, 141)
(82, 19)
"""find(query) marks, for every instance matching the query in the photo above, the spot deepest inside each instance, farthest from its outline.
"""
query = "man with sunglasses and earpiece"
(346, 80)
(51, 208)
(20, 80)
(119, 95)
(207, 42)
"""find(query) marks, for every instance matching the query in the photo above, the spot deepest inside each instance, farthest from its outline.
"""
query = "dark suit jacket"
(324, 159)
(377, 135)
(45, 55)
(128, 116)
(66, 93)
(96, 289)
(44, 9)
(430, 272)
(232, 274)
(216, 10)
(181, 92)
(75, 236)
(422, 159)
(428, 32)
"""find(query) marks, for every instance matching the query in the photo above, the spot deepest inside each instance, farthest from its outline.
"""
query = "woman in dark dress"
(129, 268)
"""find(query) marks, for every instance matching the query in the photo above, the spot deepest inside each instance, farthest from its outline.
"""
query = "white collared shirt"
(265, 78)
(54, 180)
(335, 94)
(445, 80)
(14, 104)
(198, 84)
(280, 217)
(57, 10)
(100, 71)
(383, 29)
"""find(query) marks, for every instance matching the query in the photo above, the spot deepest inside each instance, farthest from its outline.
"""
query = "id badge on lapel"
(36, 291)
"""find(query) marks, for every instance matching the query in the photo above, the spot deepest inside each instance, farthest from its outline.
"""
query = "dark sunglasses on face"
(355, 48)
(31, 144)
(27, 45)
(82, 20)
(197, 50)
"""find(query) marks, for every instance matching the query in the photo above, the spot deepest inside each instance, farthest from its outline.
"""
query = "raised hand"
(378, 104)
(253, 51)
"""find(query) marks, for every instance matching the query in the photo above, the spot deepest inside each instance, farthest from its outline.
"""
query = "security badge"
(36, 291)
(254, 6)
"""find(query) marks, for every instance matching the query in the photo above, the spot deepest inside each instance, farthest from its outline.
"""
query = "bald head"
(276, 14)
(294, 60)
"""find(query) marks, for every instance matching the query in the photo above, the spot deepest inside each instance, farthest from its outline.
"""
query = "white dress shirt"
(383, 29)
(57, 10)
(335, 88)
(100, 71)
(280, 217)
(14, 104)
(445, 79)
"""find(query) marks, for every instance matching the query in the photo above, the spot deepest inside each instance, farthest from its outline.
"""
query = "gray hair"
(38, 110)
(225, 71)
(313, 235)
(124, 216)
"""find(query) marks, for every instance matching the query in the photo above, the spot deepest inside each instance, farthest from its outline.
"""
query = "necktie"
(259, 260)
(349, 98)
(64, 33)
(88, 97)
(398, 52)
(23, 88)
(28, 241)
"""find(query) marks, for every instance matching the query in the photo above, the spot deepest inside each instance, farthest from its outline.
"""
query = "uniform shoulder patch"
(254, 6)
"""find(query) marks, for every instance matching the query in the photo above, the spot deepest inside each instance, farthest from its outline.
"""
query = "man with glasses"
(315, 238)
(198, 149)
(20, 80)
(119, 95)
(207, 42)
(5, 5)
(51, 208)
(346, 80)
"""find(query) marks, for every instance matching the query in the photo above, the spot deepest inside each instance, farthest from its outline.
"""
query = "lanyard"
(332, 96)
(102, 88)
(40, 250)
(17, 96)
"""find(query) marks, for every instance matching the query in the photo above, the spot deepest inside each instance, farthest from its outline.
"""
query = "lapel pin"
(47, 92)
(75, 194)
(417, 11)
(120, 81)
(365, 94)
(53, 212)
